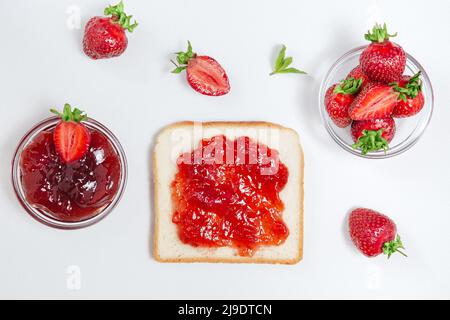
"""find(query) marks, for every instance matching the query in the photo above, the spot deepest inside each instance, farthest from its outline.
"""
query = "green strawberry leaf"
(179, 69)
(183, 59)
(119, 16)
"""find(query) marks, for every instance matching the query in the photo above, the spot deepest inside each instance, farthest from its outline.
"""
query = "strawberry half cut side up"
(375, 101)
(71, 137)
(204, 74)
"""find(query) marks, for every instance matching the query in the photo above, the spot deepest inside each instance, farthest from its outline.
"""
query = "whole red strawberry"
(338, 99)
(383, 60)
(104, 37)
(204, 74)
(373, 135)
(375, 101)
(411, 99)
(357, 73)
(374, 233)
(71, 137)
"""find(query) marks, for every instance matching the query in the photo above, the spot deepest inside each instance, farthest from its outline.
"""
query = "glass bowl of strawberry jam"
(408, 130)
(69, 174)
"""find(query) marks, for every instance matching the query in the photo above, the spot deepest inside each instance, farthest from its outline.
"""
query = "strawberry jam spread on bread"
(226, 193)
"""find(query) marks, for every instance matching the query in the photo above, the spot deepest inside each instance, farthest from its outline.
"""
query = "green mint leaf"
(286, 63)
(280, 58)
(282, 64)
(292, 70)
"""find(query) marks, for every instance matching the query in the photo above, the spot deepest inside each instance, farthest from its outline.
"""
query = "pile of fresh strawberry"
(374, 93)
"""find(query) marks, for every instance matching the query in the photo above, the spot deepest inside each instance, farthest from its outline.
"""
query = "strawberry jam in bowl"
(69, 171)
(376, 100)
(230, 203)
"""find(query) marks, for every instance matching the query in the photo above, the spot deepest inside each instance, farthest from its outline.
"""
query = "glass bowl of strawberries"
(376, 100)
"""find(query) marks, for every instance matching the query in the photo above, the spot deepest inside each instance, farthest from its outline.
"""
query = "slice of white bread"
(181, 137)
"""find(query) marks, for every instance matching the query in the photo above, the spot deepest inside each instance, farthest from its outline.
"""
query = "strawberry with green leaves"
(204, 74)
(373, 135)
(104, 37)
(411, 99)
(338, 99)
(71, 137)
(374, 233)
(382, 60)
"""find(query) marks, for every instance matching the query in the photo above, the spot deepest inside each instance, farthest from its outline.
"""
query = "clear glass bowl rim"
(38, 214)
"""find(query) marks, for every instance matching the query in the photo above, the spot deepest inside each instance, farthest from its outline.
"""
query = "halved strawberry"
(204, 74)
(71, 137)
(411, 99)
(375, 101)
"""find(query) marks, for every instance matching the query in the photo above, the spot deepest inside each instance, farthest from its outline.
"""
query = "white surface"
(42, 65)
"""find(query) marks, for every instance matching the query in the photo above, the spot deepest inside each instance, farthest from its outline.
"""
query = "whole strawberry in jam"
(373, 135)
(374, 233)
(411, 99)
(104, 37)
(338, 99)
(204, 74)
(383, 60)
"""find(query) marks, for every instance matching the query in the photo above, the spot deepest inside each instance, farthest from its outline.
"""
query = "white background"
(42, 65)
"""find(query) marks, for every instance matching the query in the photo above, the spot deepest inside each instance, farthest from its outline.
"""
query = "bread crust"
(253, 260)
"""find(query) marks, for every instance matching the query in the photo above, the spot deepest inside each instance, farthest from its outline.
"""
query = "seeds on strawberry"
(374, 233)
(383, 60)
(375, 101)
(411, 99)
(104, 37)
(372, 135)
(71, 137)
(338, 99)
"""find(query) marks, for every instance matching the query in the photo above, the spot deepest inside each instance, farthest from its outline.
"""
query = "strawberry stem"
(68, 115)
(371, 140)
(348, 86)
(379, 34)
(393, 246)
(183, 59)
(120, 17)
(411, 89)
